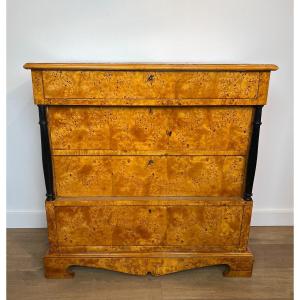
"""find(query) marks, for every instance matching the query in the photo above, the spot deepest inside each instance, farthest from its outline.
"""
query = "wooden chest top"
(150, 84)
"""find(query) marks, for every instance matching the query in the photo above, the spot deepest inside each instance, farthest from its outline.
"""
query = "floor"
(272, 275)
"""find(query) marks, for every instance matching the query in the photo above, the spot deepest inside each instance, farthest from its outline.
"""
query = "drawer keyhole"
(150, 162)
(150, 77)
(169, 132)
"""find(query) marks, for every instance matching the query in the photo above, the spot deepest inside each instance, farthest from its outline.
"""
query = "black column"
(46, 153)
(252, 156)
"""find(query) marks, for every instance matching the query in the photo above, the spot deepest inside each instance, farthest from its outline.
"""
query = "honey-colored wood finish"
(119, 222)
(144, 175)
(160, 88)
(154, 85)
(149, 165)
(187, 129)
(150, 67)
(158, 264)
(141, 236)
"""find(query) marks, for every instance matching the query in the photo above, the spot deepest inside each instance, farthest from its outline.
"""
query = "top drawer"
(150, 85)
(77, 87)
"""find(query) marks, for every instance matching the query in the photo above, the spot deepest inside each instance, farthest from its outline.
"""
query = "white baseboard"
(37, 218)
(272, 217)
(26, 219)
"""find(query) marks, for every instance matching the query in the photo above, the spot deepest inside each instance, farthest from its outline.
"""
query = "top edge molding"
(149, 67)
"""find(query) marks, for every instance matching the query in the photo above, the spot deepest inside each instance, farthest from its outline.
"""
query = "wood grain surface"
(149, 175)
(239, 265)
(139, 236)
(151, 88)
(150, 85)
(151, 67)
(189, 226)
(214, 129)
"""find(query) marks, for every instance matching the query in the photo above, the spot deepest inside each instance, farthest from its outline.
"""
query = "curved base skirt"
(238, 264)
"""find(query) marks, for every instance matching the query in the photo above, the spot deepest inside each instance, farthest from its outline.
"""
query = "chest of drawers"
(149, 168)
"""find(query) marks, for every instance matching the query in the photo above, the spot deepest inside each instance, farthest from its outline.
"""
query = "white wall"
(202, 31)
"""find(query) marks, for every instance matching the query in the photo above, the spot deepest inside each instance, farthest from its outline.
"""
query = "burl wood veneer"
(149, 168)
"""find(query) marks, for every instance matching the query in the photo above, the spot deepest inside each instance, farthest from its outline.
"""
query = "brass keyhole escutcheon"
(150, 162)
(169, 132)
(150, 77)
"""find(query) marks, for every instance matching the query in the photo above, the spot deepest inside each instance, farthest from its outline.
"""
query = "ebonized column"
(252, 156)
(46, 152)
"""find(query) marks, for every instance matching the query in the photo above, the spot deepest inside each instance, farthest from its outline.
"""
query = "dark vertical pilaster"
(46, 153)
(252, 157)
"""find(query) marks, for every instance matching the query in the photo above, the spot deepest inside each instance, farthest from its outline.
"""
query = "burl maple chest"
(149, 168)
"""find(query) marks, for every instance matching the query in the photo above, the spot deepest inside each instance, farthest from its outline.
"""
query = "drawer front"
(218, 129)
(150, 85)
(149, 175)
(137, 225)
